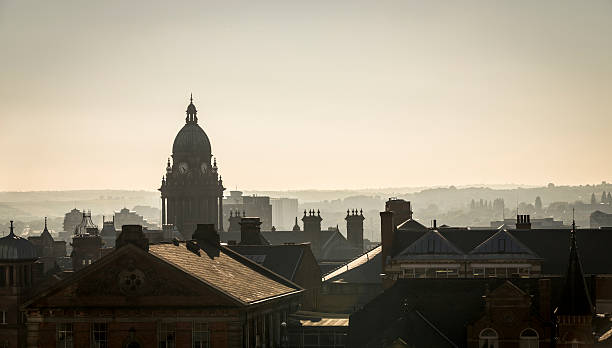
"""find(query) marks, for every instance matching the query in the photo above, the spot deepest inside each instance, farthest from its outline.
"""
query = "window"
(3, 317)
(167, 335)
(201, 335)
(99, 335)
(64, 335)
(529, 339)
(431, 246)
(488, 339)
(478, 272)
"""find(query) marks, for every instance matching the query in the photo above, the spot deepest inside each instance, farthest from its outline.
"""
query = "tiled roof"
(226, 271)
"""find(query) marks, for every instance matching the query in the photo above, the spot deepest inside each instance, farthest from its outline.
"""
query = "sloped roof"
(502, 245)
(431, 245)
(227, 271)
(365, 268)
(281, 259)
(411, 225)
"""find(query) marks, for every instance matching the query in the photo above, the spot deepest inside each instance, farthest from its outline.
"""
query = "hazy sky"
(308, 94)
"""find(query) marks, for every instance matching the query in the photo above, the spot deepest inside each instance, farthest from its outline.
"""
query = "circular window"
(130, 281)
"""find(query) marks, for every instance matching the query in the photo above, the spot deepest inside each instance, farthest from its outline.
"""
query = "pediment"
(507, 290)
(131, 277)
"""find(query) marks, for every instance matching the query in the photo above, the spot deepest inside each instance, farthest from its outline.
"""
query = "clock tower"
(192, 190)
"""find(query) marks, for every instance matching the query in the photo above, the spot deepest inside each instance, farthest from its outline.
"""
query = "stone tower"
(192, 189)
(354, 228)
(86, 243)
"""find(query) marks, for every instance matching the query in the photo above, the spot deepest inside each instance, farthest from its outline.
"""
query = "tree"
(593, 199)
(538, 203)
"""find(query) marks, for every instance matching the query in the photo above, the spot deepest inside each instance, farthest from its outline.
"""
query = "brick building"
(196, 293)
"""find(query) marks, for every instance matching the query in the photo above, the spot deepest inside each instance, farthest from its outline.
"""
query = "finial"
(168, 162)
(191, 98)
(361, 212)
(318, 212)
(45, 222)
(347, 212)
(12, 232)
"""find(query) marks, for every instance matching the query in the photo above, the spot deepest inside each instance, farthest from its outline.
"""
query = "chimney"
(250, 231)
(387, 231)
(312, 229)
(132, 234)
(523, 222)
(401, 209)
(354, 228)
(234, 221)
(434, 224)
(545, 299)
(206, 234)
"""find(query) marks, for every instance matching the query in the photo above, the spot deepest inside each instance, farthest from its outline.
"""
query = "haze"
(310, 94)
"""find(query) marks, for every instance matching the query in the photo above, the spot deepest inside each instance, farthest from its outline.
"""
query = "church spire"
(12, 233)
(575, 299)
(191, 112)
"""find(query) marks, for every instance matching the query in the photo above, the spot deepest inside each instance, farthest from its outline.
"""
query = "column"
(163, 217)
(220, 220)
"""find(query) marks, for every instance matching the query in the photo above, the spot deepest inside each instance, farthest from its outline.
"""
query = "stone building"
(192, 190)
(196, 293)
(488, 312)
(48, 250)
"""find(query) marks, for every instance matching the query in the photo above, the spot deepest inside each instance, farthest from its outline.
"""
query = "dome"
(191, 139)
(14, 248)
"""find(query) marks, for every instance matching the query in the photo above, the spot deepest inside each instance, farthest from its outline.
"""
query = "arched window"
(488, 339)
(529, 339)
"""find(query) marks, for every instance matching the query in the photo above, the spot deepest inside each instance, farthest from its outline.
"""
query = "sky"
(307, 94)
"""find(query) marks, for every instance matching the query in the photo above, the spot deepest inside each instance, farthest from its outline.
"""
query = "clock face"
(183, 167)
(204, 168)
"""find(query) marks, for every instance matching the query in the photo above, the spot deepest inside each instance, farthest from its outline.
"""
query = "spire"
(45, 222)
(296, 227)
(575, 299)
(12, 233)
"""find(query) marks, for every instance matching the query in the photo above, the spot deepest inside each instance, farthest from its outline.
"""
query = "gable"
(503, 243)
(128, 277)
(432, 244)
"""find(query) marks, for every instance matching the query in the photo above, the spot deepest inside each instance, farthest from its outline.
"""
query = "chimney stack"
(132, 234)
(523, 222)
(250, 231)
(206, 234)
(387, 231)
(312, 228)
(401, 209)
(354, 228)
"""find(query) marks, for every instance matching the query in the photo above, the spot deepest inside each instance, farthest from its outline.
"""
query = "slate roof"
(426, 311)
(502, 245)
(283, 260)
(365, 268)
(227, 271)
